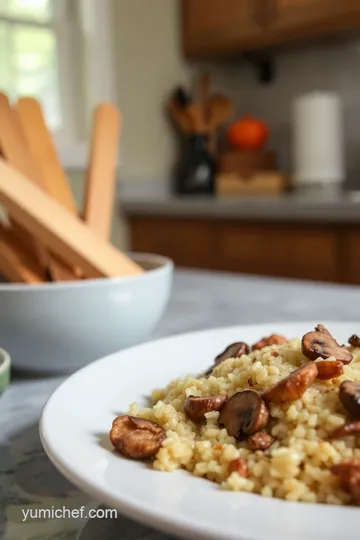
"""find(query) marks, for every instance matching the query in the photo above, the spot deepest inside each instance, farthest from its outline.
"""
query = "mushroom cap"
(196, 407)
(349, 395)
(136, 438)
(293, 386)
(320, 343)
(244, 413)
(234, 350)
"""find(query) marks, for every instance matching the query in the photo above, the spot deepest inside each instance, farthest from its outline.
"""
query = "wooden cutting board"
(101, 174)
(65, 234)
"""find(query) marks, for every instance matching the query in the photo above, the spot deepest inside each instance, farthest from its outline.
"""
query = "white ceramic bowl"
(60, 327)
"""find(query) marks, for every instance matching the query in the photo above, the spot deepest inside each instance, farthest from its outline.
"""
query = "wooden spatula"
(16, 152)
(16, 262)
(43, 151)
(101, 173)
(66, 235)
(12, 148)
(42, 147)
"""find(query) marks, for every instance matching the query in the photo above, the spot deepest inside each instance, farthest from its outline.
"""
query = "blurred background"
(241, 122)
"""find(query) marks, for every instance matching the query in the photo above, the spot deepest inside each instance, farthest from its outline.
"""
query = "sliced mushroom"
(293, 386)
(244, 413)
(260, 441)
(273, 339)
(196, 407)
(240, 466)
(354, 340)
(136, 438)
(329, 369)
(235, 350)
(349, 395)
(348, 472)
(346, 430)
(321, 343)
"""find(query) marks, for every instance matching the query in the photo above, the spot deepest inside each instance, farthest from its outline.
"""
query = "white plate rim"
(130, 508)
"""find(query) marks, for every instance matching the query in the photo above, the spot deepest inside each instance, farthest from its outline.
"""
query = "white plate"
(74, 431)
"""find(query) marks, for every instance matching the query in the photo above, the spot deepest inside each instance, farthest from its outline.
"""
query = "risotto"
(273, 422)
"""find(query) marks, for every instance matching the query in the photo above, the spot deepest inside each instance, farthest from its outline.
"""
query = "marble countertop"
(320, 207)
(199, 300)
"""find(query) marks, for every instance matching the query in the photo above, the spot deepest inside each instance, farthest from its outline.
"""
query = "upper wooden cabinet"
(219, 26)
(294, 19)
(214, 27)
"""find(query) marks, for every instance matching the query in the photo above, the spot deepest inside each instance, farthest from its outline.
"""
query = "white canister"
(318, 139)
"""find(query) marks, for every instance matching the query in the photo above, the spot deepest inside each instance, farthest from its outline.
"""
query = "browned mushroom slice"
(274, 339)
(349, 395)
(196, 407)
(329, 369)
(346, 430)
(240, 466)
(354, 340)
(244, 413)
(235, 350)
(260, 441)
(293, 386)
(321, 343)
(348, 472)
(136, 438)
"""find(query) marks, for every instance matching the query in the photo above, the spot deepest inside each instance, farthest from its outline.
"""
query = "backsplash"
(333, 66)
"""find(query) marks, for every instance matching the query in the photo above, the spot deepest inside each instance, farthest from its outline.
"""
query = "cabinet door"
(219, 26)
(187, 242)
(293, 19)
(296, 251)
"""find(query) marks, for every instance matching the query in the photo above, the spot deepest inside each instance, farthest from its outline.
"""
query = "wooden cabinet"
(321, 252)
(294, 19)
(187, 242)
(219, 26)
(214, 27)
(278, 250)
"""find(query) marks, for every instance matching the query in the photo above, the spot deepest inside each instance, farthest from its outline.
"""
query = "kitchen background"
(318, 48)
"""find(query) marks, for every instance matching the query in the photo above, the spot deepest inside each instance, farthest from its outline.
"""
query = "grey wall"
(333, 65)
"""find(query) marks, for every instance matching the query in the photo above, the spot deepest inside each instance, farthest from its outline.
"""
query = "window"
(47, 51)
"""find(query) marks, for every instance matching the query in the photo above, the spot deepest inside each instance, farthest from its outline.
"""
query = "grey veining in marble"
(199, 300)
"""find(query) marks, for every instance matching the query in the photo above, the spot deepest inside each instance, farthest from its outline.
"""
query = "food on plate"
(280, 419)
(243, 414)
(195, 408)
(293, 386)
(354, 340)
(235, 350)
(349, 395)
(273, 339)
(320, 343)
(135, 437)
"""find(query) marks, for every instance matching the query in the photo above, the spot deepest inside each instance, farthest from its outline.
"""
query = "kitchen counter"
(199, 300)
(319, 208)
